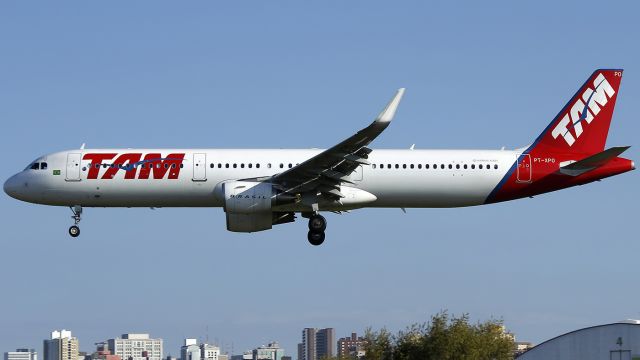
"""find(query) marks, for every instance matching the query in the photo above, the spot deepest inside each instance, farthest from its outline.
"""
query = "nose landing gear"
(74, 230)
(317, 226)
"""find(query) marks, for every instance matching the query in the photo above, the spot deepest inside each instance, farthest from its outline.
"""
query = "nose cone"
(11, 186)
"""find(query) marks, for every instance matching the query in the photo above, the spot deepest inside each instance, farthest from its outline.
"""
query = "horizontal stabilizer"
(592, 162)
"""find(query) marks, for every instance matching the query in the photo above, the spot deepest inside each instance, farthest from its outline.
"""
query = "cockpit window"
(36, 166)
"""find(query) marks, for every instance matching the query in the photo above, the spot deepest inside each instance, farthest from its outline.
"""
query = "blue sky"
(299, 74)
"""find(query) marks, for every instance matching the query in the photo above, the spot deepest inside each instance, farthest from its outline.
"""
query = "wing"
(325, 172)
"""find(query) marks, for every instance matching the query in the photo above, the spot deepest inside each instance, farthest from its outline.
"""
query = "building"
(136, 347)
(617, 341)
(209, 352)
(21, 354)
(316, 344)
(190, 350)
(351, 346)
(247, 355)
(325, 342)
(271, 351)
(61, 346)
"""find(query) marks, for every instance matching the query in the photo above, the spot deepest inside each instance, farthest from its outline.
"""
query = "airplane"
(259, 188)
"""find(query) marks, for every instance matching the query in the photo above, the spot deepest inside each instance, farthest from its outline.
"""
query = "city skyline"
(229, 75)
(191, 349)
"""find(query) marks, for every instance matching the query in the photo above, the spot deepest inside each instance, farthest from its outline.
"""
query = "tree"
(443, 338)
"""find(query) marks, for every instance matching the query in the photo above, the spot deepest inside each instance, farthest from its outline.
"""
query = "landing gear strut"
(317, 226)
(74, 230)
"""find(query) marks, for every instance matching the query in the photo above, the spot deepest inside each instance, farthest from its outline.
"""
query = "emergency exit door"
(199, 167)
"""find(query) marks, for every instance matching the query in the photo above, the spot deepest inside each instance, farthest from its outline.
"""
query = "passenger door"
(524, 169)
(73, 167)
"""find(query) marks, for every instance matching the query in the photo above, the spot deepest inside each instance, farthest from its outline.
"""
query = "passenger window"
(250, 165)
(450, 166)
(457, 166)
(388, 166)
(211, 165)
(219, 165)
(426, 166)
(419, 166)
(495, 166)
(281, 165)
(242, 165)
(397, 166)
(258, 166)
(290, 165)
(473, 166)
(441, 166)
(173, 166)
(480, 166)
(226, 165)
(181, 166)
(235, 166)
(465, 166)
(268, 165)
(411, 166)
(373, 166)
(404, 166)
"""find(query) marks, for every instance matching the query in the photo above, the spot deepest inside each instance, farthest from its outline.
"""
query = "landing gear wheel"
(315, 237)
(74, 231)
(317, 223)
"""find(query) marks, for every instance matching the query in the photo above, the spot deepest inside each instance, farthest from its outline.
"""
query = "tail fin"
(583, 124)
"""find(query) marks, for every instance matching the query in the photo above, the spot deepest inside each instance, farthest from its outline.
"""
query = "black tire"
(315, 237)
(74, 231)
(317, 223)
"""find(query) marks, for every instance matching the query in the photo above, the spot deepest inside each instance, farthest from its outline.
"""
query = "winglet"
(387, 114)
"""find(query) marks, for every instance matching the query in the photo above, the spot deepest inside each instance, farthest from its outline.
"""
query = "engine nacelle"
(248, 205)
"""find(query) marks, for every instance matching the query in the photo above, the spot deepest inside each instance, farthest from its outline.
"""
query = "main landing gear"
(317, 226)
(74, 230)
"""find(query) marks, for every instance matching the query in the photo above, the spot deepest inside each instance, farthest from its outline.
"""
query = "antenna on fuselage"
(82, 146)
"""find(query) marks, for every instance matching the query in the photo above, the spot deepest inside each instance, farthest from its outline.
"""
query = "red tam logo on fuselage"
(153, 163)
(584, 110)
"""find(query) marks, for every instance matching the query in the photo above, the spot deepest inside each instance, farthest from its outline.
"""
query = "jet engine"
(248, 205)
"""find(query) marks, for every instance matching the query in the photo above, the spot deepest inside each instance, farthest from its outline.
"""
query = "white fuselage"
(397, 178)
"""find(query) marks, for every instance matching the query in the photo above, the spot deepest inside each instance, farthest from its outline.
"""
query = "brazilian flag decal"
(56, 172)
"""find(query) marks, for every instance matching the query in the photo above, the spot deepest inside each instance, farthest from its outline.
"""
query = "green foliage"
(444, 337)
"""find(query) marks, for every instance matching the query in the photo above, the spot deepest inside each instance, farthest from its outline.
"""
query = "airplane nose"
(11, 186)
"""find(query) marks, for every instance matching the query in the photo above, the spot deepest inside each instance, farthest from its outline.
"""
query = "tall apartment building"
(136, 347)
(351, 346)
(21, 354)
(271, 351)
(316, 344)
(61, 346)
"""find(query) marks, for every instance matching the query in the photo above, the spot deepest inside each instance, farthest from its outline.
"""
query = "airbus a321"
(261, 188)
